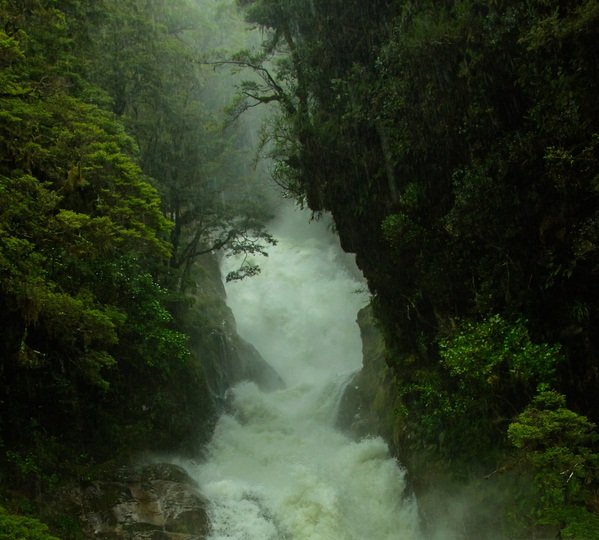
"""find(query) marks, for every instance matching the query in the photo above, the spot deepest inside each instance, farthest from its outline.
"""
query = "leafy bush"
(13, 527)
(494, 352)
(560, 446)
(488, 371)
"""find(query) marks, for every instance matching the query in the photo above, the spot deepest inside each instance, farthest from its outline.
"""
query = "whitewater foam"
(277, 469)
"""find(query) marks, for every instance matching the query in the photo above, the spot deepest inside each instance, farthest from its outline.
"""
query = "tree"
(558, 445)
(157, 86)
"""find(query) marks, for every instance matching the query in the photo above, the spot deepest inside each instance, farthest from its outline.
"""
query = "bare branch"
(266, 77)
(262, 99)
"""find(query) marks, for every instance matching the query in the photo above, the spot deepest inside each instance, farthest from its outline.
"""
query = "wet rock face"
(226, 358)
(156, 502)
(369, 401)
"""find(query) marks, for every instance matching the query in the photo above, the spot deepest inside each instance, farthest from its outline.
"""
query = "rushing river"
(277, 469)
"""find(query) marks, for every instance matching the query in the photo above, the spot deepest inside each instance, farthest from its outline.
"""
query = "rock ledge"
(154, 502)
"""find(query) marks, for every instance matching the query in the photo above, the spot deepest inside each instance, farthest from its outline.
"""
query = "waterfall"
(277, 469)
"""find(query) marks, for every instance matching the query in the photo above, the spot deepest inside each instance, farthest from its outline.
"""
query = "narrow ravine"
(277, 468)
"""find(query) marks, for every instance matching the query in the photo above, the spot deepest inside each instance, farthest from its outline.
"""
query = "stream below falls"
(277, 468)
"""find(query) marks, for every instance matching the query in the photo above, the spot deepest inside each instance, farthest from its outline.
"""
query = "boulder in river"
(154, 502)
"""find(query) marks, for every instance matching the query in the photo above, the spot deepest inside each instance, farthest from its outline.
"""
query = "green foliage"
(399, 229)
(91, 361)
(148, 330)
(485, 353)
(148, 63)
(13, 527)
(560, 446)
(488, 371)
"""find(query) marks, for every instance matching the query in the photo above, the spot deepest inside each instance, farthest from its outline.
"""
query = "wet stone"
(156, 502)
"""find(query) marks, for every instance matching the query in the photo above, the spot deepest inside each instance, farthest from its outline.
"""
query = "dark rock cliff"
(226, 358)
(368, 405)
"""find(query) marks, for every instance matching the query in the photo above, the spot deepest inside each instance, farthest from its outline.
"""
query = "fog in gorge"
(299, 269)
(277, 468)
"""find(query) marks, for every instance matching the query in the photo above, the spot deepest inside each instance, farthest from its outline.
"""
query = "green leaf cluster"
(485, 352)
(559, 445)
(13, 527)
(488, 371)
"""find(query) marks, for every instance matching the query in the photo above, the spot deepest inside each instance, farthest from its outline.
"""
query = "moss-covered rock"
(226, 358)
(369, 405)
(150, 502)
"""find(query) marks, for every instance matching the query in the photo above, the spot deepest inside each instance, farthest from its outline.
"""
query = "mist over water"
(277, 468)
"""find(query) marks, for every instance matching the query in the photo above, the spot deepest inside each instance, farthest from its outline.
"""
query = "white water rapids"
(277, 469)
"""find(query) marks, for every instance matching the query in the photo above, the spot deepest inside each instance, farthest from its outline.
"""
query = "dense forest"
(116, 176)
(457, 146)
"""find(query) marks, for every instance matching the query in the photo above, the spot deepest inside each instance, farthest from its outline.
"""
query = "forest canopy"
(117, 174)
